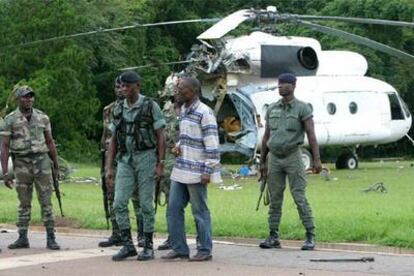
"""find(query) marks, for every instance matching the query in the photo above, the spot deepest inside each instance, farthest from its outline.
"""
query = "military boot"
(310, 240)
(140, 230)
(114, 239)
(166, 245)
(148, 252)
(271, 242)
(22, 241)
(128, 248)
(51, 239)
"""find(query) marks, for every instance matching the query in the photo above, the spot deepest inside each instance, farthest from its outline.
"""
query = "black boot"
(22, 241)
(128, 248)
(140, 230)
(148, 252)
(114, 239)
(310, 240)
(271, 242)
(166, 245)
(51, 239)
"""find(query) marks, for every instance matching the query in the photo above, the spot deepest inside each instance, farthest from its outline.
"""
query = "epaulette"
(109, 106)
(10, 114)
(39, 111)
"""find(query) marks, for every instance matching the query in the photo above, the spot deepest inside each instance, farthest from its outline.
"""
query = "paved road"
(81, 256)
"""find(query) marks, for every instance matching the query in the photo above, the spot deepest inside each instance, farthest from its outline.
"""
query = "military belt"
(285, 153)
(27, 155)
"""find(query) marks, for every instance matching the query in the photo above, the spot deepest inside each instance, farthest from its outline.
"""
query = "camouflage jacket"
(107, 120)
(26, 136)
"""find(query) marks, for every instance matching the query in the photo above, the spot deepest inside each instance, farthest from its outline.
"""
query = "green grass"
(343, 213)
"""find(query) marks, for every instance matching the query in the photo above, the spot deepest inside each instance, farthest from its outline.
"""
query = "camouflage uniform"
(135, 167)
(31, 163)
(172, 129)
(107, 120)
(286, 135)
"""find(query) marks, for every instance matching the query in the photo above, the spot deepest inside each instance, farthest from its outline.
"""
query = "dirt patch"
(66, 222)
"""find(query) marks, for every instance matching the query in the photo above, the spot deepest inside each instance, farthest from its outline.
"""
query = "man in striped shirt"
(197, 164)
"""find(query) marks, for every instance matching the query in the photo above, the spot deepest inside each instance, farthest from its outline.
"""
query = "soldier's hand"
(317, 166)
(205, 179)
(57, 173)
(176, 151)
(8, 181)
(159, 171)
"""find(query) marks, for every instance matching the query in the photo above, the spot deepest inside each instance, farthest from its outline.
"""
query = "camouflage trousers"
(33, 170)
(135, 171)
(290, 166)
(111, 197)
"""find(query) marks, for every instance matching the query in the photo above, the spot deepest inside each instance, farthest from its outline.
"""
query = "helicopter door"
(238, 131)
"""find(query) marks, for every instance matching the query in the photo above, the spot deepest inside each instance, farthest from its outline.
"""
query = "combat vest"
(140, 129)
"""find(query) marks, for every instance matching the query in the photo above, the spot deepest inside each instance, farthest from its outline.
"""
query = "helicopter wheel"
(347, 161)
(307, 159)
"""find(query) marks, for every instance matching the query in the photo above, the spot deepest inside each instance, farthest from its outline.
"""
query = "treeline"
(73, 78)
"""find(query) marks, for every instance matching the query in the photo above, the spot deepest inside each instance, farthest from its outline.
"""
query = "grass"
(343, 213)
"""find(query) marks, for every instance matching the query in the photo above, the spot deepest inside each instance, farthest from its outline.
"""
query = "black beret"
(287, 78)
(129, 77)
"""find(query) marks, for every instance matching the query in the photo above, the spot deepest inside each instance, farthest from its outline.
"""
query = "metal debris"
(377, 187)
(363, 260)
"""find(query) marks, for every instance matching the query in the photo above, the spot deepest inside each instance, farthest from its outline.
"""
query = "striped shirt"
(199, 145)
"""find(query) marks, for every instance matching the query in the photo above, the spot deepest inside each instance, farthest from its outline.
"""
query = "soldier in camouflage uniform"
(138, 141)
(27, 136)
(287, 120)
(171, 111)
(115, 238)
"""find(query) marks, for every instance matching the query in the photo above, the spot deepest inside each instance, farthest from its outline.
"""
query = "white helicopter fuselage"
(348, 111)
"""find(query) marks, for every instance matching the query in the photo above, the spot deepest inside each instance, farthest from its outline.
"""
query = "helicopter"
(239, 81)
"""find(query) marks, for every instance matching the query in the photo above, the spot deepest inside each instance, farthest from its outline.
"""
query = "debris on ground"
(377, 187)
(363, 260)
(230, 187)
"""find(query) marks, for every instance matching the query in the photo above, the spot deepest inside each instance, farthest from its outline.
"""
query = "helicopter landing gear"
(307, 158)
(347, 161)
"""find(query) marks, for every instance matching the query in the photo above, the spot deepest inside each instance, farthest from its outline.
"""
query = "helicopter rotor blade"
(356, 20)
(226, 25)
(360, 40)
(101, 30)
(158, 64)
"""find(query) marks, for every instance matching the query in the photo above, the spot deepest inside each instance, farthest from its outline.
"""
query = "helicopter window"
(396, 111)
(331, 108)
(353, 107)
(242, 63)
(308, 58)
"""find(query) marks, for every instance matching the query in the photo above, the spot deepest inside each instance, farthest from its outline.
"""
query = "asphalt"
(80, 255)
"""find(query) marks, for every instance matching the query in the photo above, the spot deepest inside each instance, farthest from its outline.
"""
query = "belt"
(286, 153)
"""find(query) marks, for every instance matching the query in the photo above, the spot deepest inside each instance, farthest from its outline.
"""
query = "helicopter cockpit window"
(353, 107)
(331, 108)
(395, 107)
